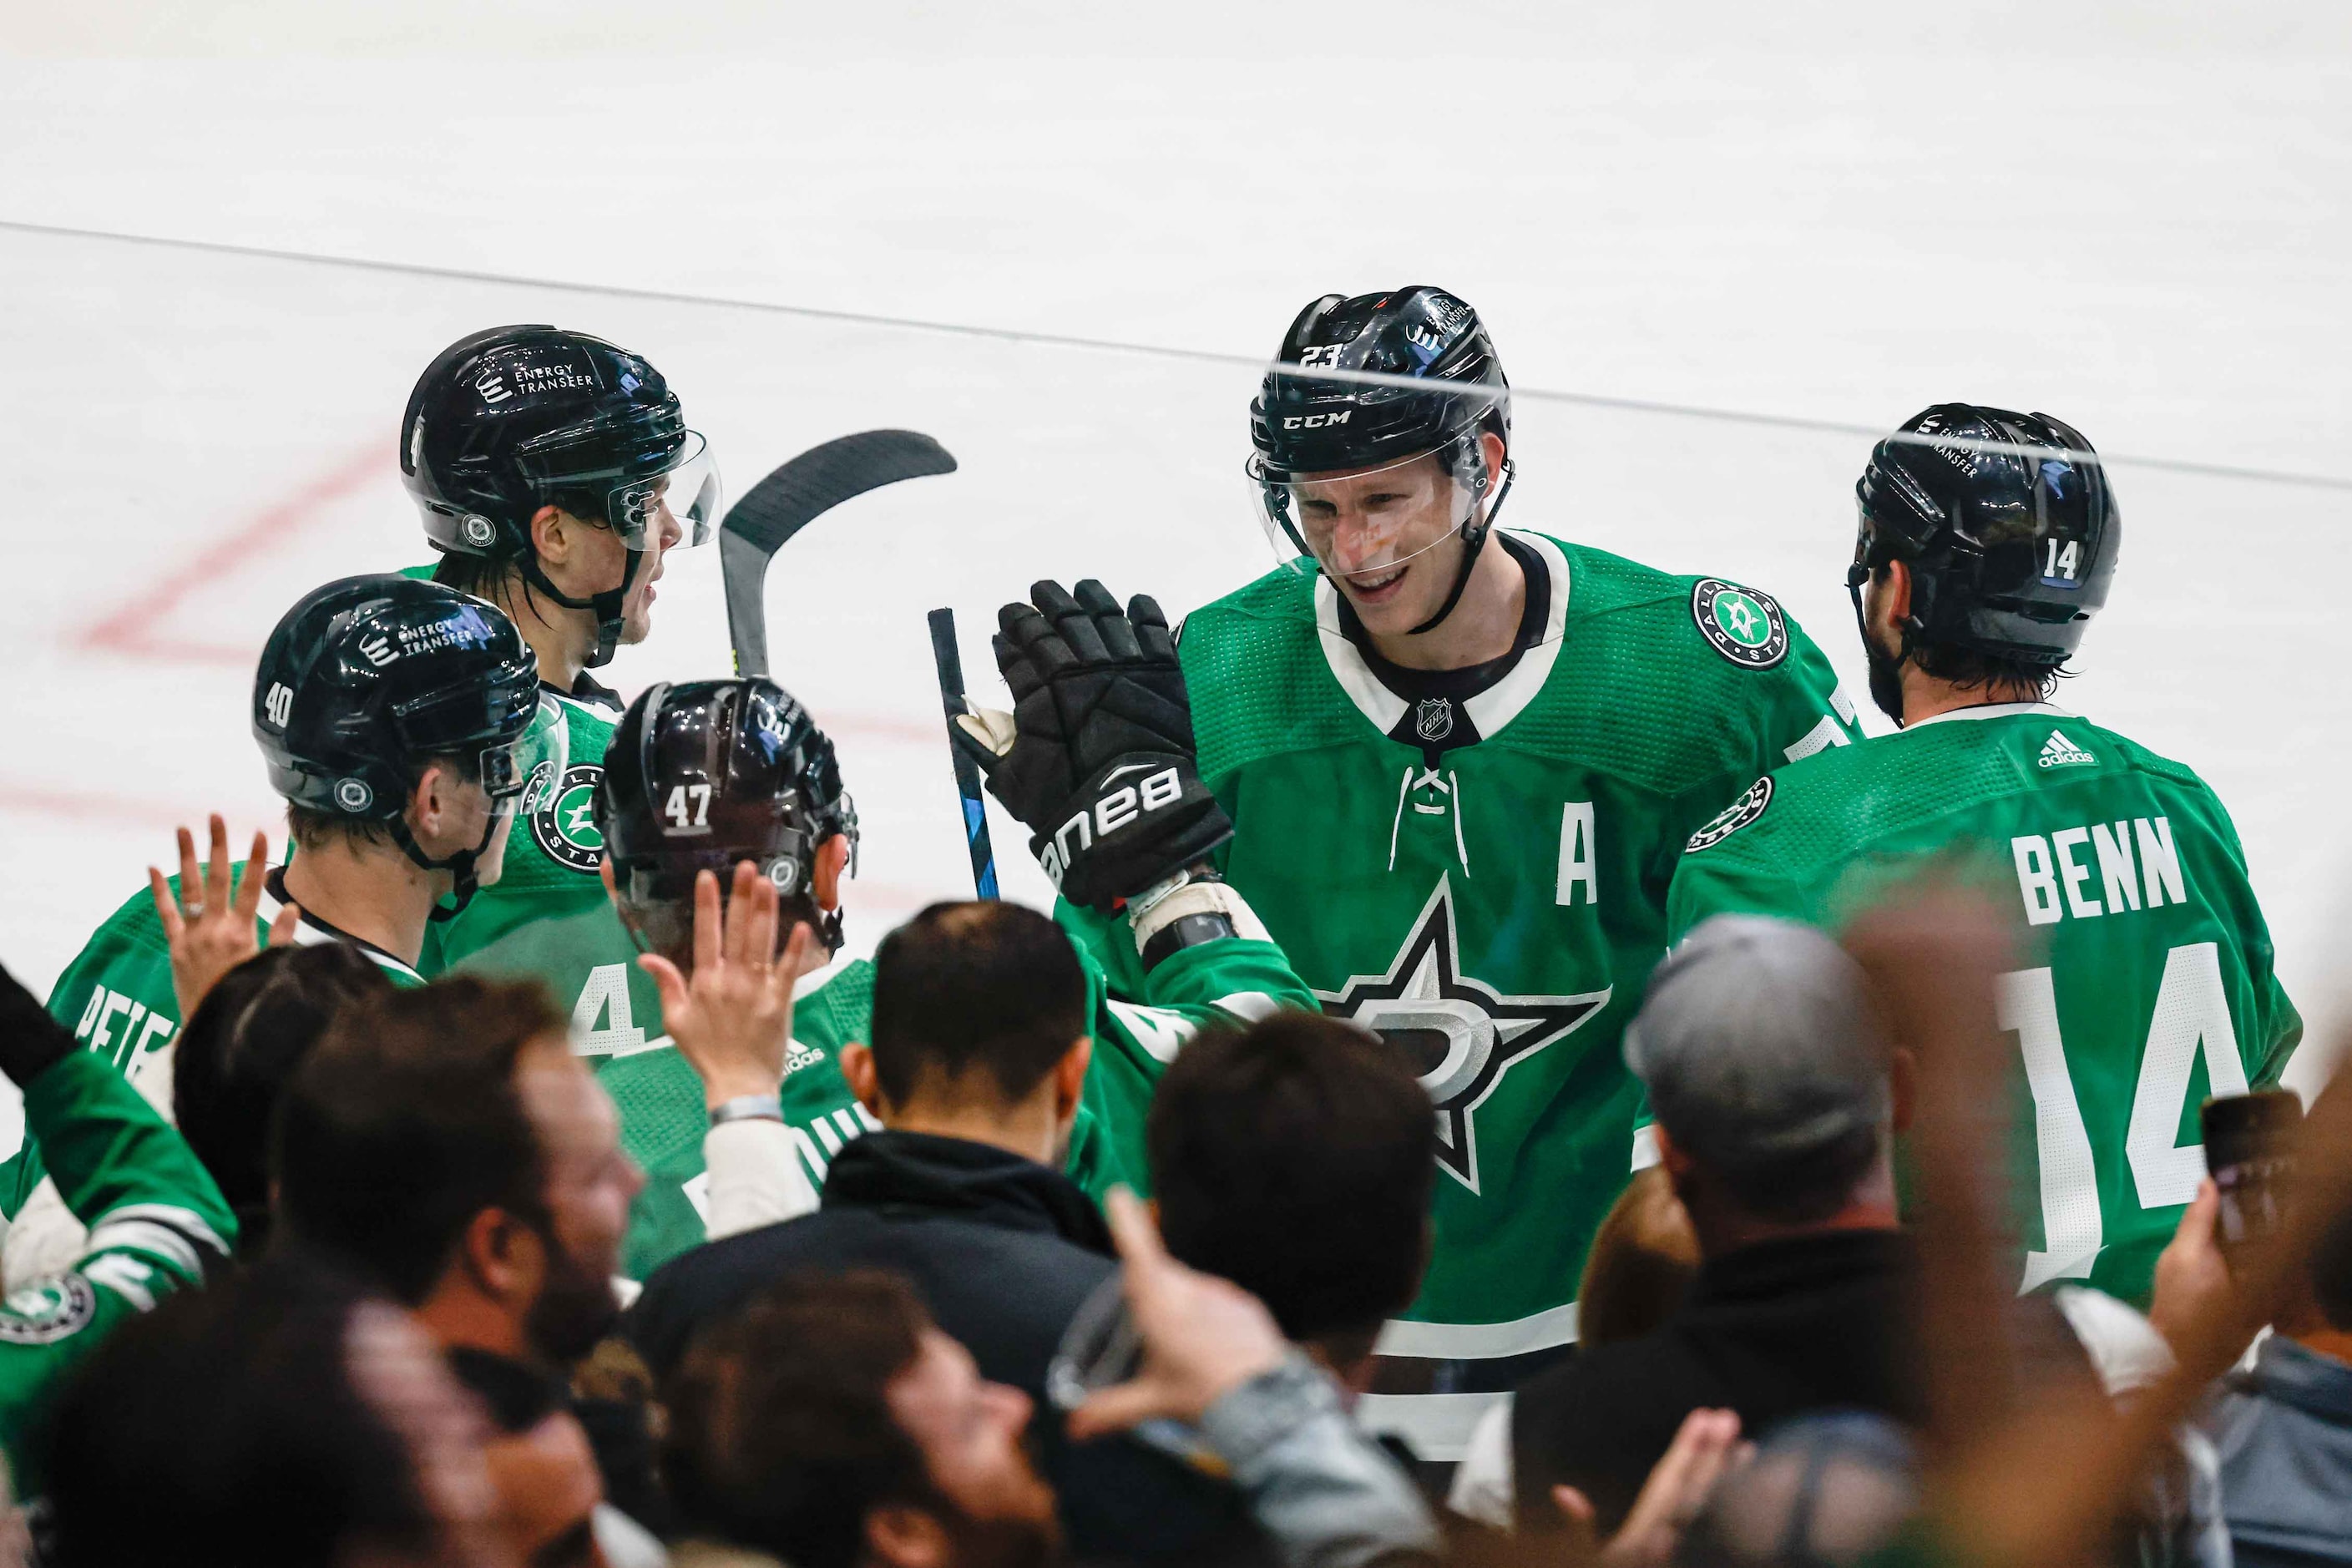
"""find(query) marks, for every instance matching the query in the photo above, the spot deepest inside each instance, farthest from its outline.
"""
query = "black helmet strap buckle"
(1475, 528)
(605, 606)
(461, 865)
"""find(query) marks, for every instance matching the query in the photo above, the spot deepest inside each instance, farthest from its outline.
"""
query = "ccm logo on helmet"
(1108, 815)
(1314, 421)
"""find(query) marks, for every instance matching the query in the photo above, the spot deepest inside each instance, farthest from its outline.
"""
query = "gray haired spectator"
(1777, 1101)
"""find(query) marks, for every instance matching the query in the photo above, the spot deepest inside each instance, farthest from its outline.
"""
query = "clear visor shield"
(681, 502)
(1362, 526)
(531, 765)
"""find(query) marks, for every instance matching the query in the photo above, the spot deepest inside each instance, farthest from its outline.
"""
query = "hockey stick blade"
(788, 500)
(949, 661)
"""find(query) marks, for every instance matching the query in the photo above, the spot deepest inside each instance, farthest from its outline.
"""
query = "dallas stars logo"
(564, 815)
(1743, 626)
(1460, 1036)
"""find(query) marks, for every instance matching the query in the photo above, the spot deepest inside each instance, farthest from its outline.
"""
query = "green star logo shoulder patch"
(563, 817)
(1742, 625)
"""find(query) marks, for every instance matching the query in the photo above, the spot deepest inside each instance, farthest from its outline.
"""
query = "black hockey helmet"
(2006, 522)
(368, 678)
(510, 420)
(1303, 424)
(706, 774)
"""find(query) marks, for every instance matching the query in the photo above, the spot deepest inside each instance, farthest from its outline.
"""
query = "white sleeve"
(1482, 1488)
(45, 1239)
(756, 1178)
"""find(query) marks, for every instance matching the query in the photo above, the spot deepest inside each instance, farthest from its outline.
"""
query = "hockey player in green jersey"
(155, 1221)
(1461, 762)
(709, 774)
(1987, 540)
(554, 471)
(399, 721)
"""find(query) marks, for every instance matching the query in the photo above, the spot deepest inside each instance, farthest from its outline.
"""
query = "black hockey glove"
(31, 1042)
(1099, 762)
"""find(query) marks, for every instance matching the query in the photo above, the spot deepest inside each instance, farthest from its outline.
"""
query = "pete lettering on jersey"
(2056, 881)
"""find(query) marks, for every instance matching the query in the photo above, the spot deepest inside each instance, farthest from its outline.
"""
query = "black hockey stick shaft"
(788, 500)
(945, 655)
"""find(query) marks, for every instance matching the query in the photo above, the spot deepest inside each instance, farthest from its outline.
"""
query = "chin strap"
(605, 606)
(1474, 539)
(460, 865)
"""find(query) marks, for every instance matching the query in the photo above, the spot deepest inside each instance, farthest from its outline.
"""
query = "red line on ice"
(130, 629)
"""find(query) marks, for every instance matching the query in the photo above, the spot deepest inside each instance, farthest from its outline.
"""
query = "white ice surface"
(2133, 215)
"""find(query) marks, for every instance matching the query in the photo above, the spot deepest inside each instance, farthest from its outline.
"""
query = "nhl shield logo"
(1432, 720)
(1742, 625)
(477, 531)
(354, 795)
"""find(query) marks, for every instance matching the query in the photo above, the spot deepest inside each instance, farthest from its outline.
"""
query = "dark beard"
(1885, 679)
(575, 1309)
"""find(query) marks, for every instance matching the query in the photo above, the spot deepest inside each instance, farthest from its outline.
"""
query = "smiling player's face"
(1381, 535)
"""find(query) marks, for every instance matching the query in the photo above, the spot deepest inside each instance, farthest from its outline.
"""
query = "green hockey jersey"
(662, 1117)
(156, 1223)
(2148, 981)
(116, 997)
(1483, 881)
(547, 916)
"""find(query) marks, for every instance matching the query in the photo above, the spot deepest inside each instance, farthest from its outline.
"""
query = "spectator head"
(283, 1418)
(831, 1423)
(446, 1142)
(541, 1466)
(1772, 1086)
(1822, 1491)
(2328, 1277)
(980, 1028)
(1296, 1159)
(246, 1038)
(1643, 1259)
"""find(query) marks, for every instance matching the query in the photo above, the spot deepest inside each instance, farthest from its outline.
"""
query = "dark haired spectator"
(447, 1142)
(285, 1419)
(831, 1423)
(979, 1056)
(1296, 1158)
(242, 1043)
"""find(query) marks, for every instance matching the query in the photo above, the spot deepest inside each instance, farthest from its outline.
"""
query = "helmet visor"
(681, 500)
(503, 727)
(533, 761)
(1362, 525)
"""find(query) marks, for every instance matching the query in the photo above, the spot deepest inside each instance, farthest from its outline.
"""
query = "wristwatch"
(748, 1107)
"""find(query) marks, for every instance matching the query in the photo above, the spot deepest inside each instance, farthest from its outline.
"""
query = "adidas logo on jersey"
(2058, 752)
(803, 1057)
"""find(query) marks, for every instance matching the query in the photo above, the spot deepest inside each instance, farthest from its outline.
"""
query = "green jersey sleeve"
(1142, 1018)
(156, 1223)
